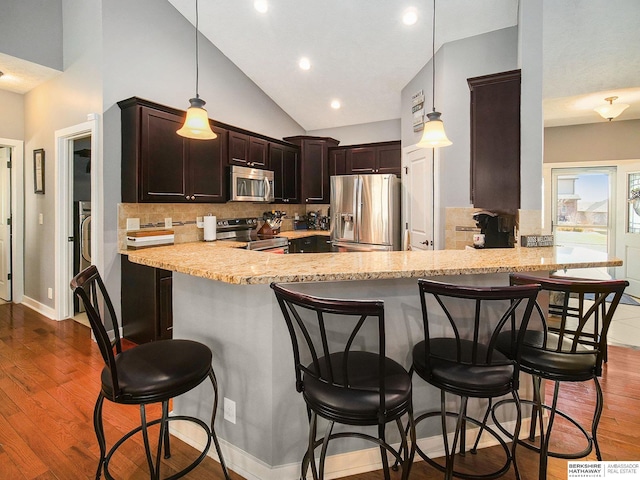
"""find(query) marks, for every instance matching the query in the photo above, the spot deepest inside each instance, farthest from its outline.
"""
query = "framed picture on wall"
(38, 170)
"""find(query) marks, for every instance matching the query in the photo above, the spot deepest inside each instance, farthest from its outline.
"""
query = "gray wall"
(32, 30)
(384, 131)
(59, 103)
(616, 140)
(455, 62)
(11, 115)
(149, 53)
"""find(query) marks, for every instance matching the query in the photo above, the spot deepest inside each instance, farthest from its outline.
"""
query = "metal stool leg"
(214, 383)
(99, 429)
(596, 418)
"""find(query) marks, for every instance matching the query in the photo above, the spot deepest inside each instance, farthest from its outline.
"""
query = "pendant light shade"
(196, 124)
(433, 134)
(609, 110)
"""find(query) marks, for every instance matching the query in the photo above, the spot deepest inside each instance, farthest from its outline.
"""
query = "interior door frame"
(64, 208)
(17, 217)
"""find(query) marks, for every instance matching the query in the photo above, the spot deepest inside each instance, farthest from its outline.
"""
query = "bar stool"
(458, 356)
(344, 376)
(150, 373)
(570, 348)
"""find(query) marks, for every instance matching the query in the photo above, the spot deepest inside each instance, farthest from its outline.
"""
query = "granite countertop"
(216, 261)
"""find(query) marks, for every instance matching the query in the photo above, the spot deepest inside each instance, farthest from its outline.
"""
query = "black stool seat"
(462, 377)
(150, 373)
(552, 363)
(360, 403)
(157, 371)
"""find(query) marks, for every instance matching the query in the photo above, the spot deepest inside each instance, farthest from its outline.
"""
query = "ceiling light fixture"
(304, 63)
(335, 104)
(196, 124)
(433, 135)
(410, 16)
(261, 5)
(609, 110)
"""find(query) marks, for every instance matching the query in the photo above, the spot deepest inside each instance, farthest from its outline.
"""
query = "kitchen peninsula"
(221, 296)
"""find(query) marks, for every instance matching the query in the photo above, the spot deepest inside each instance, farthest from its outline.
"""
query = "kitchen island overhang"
(222, 297)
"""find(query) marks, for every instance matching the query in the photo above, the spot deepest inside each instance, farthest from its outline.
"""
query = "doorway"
(81, 217)
(77, 148)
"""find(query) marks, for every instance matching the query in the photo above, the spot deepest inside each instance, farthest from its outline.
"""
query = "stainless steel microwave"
(250, 184)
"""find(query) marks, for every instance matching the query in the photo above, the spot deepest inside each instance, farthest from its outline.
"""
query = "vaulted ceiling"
(362, 54)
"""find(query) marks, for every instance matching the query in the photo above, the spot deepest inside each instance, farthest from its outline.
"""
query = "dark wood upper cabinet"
(361, 160)
(206, 172)
(238, 148)
(158, 165)
(389, 158)
(337, 161)
(381, 157)
(495, 141)
(247, 151)
(284, 160)
(314, 167)
(258, 152)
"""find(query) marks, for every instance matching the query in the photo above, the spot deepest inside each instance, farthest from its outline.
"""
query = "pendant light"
(433, 135)
(609, 110)
(196, 124)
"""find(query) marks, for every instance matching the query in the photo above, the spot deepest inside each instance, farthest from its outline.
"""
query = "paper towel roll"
(210, 224)
(406, 240)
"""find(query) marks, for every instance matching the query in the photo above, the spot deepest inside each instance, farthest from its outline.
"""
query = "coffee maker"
(498, 229)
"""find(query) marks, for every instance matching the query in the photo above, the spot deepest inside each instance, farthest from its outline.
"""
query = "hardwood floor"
(49, 380)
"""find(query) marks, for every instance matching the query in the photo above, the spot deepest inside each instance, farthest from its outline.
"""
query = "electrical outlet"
(168, 223)
(133, 224)
(229, 410)
(41, 219)
(50, 293)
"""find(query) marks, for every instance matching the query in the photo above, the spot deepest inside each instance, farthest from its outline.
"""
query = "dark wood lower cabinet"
(310, 244)
(147, 303)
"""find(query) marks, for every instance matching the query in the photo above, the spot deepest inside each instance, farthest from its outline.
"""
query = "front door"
(583, 212)
(628, 244)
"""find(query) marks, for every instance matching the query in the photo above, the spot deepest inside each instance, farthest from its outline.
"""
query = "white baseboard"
(39, 307)
(337, 466)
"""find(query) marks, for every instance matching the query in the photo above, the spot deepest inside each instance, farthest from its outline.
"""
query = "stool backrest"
(320, 327)
(579, 313)
(474, 317)
(90, 289)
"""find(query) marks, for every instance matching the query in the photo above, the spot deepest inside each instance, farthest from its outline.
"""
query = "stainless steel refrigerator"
(365, 213)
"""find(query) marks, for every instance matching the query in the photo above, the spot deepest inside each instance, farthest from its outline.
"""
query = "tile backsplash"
(183, 216)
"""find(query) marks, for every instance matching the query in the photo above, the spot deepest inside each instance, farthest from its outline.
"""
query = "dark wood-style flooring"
(49, 380)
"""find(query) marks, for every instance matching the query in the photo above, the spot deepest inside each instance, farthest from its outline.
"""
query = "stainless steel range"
(245, 230)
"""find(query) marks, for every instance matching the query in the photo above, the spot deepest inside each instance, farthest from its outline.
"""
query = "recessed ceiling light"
(335, 104)
(304, 63)
(410, 16)
(261, 5)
